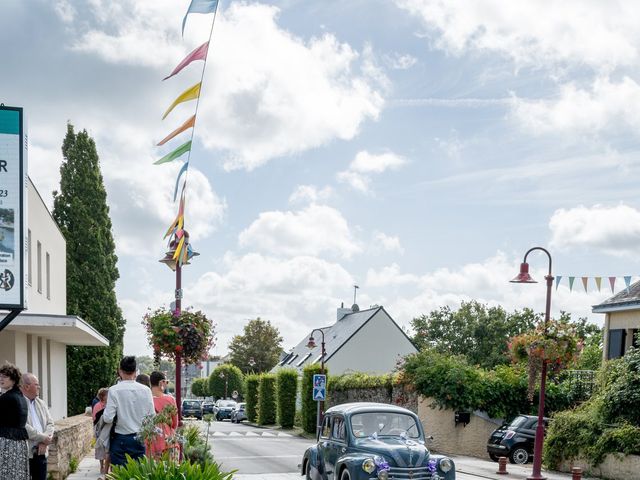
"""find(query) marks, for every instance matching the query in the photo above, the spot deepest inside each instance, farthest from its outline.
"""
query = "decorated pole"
(176, 314)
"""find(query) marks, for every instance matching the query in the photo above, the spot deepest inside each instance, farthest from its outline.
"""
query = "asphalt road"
(256, 452)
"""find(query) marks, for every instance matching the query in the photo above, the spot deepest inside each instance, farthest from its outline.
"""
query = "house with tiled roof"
(359, 341)
(621, 321)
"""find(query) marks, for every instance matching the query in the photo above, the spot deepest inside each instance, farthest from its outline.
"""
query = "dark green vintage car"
(367, 441)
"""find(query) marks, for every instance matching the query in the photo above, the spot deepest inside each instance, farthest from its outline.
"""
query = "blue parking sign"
(319, 387)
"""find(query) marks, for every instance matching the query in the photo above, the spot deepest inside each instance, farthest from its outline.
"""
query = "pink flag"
(199, 53)
(612, 282)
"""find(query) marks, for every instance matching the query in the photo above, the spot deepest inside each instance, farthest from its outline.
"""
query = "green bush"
(251, 397)
(309, 406)
(150, 469)
(267, 399)
(232, 379)
(609, 422)
(287, 389)
(360, 380)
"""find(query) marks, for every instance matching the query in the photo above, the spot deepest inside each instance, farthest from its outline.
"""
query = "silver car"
(239, 414)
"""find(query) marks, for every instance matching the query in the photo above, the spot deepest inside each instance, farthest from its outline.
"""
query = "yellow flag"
(189, 94)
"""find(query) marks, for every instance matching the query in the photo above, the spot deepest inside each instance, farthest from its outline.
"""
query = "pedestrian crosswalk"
(252, 433)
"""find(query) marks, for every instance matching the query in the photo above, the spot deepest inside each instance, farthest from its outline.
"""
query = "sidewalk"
(89, 469)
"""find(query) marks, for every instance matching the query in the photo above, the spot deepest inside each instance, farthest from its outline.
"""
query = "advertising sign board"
(13, 180)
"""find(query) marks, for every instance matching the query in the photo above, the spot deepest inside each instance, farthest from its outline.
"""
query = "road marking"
(252, 434)
(257, 456)
(235, 434)
(268, 434)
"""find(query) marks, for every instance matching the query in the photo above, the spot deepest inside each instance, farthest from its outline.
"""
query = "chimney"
(343, 311)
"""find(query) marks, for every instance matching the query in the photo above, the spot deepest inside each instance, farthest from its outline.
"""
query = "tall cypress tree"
(81, 211)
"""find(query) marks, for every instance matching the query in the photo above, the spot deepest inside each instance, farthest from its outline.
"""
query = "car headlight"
(369, 465)
(445, 464)
(383, 475)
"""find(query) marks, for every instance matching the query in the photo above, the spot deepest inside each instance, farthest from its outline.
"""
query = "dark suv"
(515, 440)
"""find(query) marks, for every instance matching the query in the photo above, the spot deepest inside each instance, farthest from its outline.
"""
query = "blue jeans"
(125, 444)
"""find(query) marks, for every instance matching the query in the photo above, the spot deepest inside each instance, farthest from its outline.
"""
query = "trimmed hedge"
(267, 399)
(309, 406)
(251, 398)
(287, 389)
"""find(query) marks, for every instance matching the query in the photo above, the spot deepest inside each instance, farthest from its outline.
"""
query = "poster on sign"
(13, 180)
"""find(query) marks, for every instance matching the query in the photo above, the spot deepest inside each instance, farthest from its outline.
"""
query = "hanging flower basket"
(191, 334)
(558, 347)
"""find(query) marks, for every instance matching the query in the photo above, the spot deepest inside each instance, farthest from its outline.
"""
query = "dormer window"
(304, 359)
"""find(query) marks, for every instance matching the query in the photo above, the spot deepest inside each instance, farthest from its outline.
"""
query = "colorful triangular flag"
(571, 279)
(178, 152)
(627, 281)
(598, 282)
(585, 281)
(199, 6)
(199, 53)
(188, 124)
(558, 278)
(190, 93)
(182, 170)
(612, 282)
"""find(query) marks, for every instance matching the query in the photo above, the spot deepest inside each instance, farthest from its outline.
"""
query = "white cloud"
(606, 106)
(365, 163)
(399, 61)
(602, 35)
(311, 194)
(613, 230)
(316, 229)
(384, 242)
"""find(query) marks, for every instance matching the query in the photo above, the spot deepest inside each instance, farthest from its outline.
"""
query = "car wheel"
(494, 457)
(307, 470)
(345, 475)
(519, 455)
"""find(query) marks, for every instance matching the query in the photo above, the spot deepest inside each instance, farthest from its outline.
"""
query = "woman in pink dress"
(160, 402)
(102, 453)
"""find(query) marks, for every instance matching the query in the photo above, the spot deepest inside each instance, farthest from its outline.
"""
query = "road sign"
(319, 387)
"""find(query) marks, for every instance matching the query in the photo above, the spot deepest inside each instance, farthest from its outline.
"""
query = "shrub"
(309, 406)
(224, 380)
(151, 469)
(251, 398)
(287, 389)
(200, 387)
(267, 399)
(360, 380)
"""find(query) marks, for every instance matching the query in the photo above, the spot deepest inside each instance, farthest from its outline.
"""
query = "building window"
(29, 269)
(39, 267)
(49, 373)
(47, 266)
(303, 359)
(617, 337)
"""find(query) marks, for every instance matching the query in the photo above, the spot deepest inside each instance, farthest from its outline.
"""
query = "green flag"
(181, 150)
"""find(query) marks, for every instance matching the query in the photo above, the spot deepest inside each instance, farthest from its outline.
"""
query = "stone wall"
(470, 439)
(613, 467)
(72, 439)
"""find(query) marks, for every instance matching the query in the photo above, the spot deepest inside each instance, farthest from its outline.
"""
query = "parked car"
(208, 407)
(224, 409)
(515, 440)
(192, 408)
(239, 414)
(363, 441)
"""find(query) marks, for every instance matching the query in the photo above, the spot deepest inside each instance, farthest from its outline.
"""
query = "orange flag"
(188, 124)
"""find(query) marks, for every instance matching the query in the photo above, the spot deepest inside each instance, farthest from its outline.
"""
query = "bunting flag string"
(597, 280)
(178, 236)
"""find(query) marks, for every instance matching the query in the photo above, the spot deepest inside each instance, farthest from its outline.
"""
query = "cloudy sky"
(416, 148)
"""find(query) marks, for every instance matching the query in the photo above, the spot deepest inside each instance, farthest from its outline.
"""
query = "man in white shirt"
(129, 402)
(39, 427)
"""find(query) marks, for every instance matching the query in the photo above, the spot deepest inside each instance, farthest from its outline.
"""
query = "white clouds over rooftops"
(315, 230)
(367, 163)
(613, 230)
(310, 193)
(536, 33)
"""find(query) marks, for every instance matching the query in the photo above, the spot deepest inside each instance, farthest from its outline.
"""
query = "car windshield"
(518, 422)
(227, 404)
(384, 424)
(191, 404)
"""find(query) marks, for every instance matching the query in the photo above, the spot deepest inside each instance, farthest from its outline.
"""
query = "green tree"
(260, 341)
(80, 210)
(225, 379)
(200, 387)
(475, 330)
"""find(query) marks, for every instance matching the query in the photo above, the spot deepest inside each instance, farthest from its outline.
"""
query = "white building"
(36, 339)
(367, 341)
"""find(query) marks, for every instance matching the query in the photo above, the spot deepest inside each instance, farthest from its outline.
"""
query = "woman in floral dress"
(14, 447)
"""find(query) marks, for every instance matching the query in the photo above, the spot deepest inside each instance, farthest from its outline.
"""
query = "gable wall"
(375, 348)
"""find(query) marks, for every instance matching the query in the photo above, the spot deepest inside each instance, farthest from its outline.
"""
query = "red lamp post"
(312, 344)
(524, 277)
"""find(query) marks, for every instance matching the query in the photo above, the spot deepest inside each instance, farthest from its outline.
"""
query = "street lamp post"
(312, 344)
(175, 265)
(226, 383)
(524, 277)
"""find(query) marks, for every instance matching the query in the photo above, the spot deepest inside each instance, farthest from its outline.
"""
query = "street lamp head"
(221, 375)
(523, 276)
(312, 343)
(251, 362)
